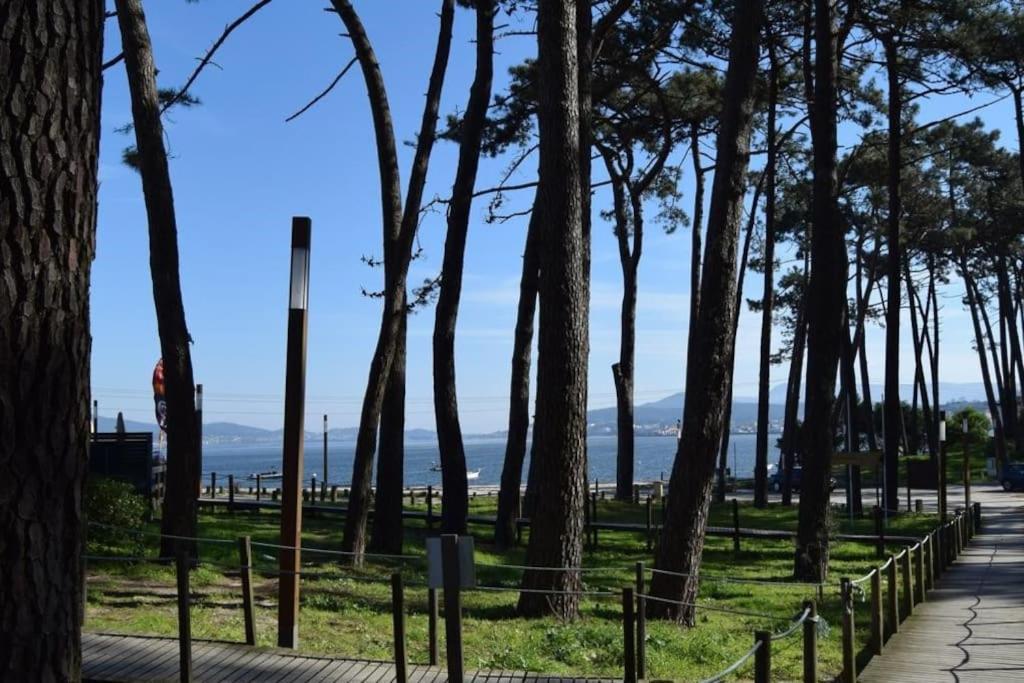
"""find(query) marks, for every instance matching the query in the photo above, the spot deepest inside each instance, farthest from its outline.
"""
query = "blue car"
(1013, 476)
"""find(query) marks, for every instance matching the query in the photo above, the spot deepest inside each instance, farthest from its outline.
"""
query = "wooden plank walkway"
(109, 658)
(971, 629)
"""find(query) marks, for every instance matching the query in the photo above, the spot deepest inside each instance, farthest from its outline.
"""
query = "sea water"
(654, 457)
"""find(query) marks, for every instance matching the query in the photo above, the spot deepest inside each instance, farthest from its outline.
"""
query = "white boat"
(265, 476)
(472, 474)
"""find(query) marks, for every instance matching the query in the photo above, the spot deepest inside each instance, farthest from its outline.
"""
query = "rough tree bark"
(826, 296)
(767, 298)
(561, 422)
(386, 534)
(709, 359)
(793, 387)
(519, 390)
(893, 412)
(49, 144)
(455, 492)
(179, 511)
(399, 232)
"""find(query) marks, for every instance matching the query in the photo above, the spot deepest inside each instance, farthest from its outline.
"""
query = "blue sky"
(240, 172)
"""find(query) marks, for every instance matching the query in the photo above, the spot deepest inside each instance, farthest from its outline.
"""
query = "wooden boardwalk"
(120, 659)
(971, 629)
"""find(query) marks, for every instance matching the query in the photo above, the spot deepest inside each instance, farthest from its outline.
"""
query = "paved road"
(972, 626)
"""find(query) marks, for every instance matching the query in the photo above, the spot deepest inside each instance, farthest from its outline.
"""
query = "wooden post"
(877, 637)
(919, 573)
(259, 488)
(763, 657)
(811, 644)
(628, 644)
(650, 524)
(908, 590)
(245, 567)
(184, 615)
(398, 619)
(929, 576)
(892, 602)
(586, 520)
(849, 674)
(430, 508)
(213, 484)
(432, 625)
(977, 517)
(452, 605)
(636, 494)
(231, 493)
(641, 624)
(918, 505)
(593, 515)
(325, 459)
(735, 525)
(876, 513)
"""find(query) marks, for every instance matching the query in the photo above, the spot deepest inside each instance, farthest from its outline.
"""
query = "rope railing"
(796, 625)
(581, 570)
(545, 591)
(711, 608)
(721, 675)
(729, 579)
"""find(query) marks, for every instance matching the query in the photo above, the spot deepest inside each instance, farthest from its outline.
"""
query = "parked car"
(1013, 477)
(775, 480)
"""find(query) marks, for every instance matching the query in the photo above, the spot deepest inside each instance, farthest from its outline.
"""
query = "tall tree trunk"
(560, 430)
(386, 534)
(767, 298)
(49, 144)
(455, 491)
(1012, 343)
(825, 305)
(399, 233)
(893, 412)
(723, 449)
(934, 349)
(848, 381)
(179, 512)
(993, 407)
(793, 384)
(709, 361)
(861, 348)
(519, 390)
(918, 331)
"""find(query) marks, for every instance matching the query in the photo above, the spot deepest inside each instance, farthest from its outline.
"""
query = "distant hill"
(949, 392)
(661, 416)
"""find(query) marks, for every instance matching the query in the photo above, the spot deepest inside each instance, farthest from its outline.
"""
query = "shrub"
(110, 503)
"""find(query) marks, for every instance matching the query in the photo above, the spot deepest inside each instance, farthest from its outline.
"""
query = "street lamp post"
(294, 409)
(967, 464)
(326, 480)
(941, 493)
(199, 439)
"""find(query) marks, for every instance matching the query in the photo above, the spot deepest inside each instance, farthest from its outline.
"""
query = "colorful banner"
(158, 395)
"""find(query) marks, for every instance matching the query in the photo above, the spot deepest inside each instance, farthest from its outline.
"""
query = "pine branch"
(325, 91)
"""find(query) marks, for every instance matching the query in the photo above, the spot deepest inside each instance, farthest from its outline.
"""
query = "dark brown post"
(184, 616)
(919, 573)
(259, 488)
(938, 552)
(628, 644)
(593, 515)
(213, 484)
(650, 524)
(908, 589)
(977, 517)
(586, 521)
(892, 602)
(929, 576)
(735, 525)
(918, 505)
(636, 494)
(967, 462)
(294, 437)
(430, 508)
(763, 657)
(876, 513)
(95, 418)
(877, 637)
(245, 565)
(641, 624)
(432, 624)
(811, 644)
(231, 493)
(452, 605)
(398, 619)
(849, 674)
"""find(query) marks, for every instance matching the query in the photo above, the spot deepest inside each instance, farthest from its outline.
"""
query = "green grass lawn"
(346, 611)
